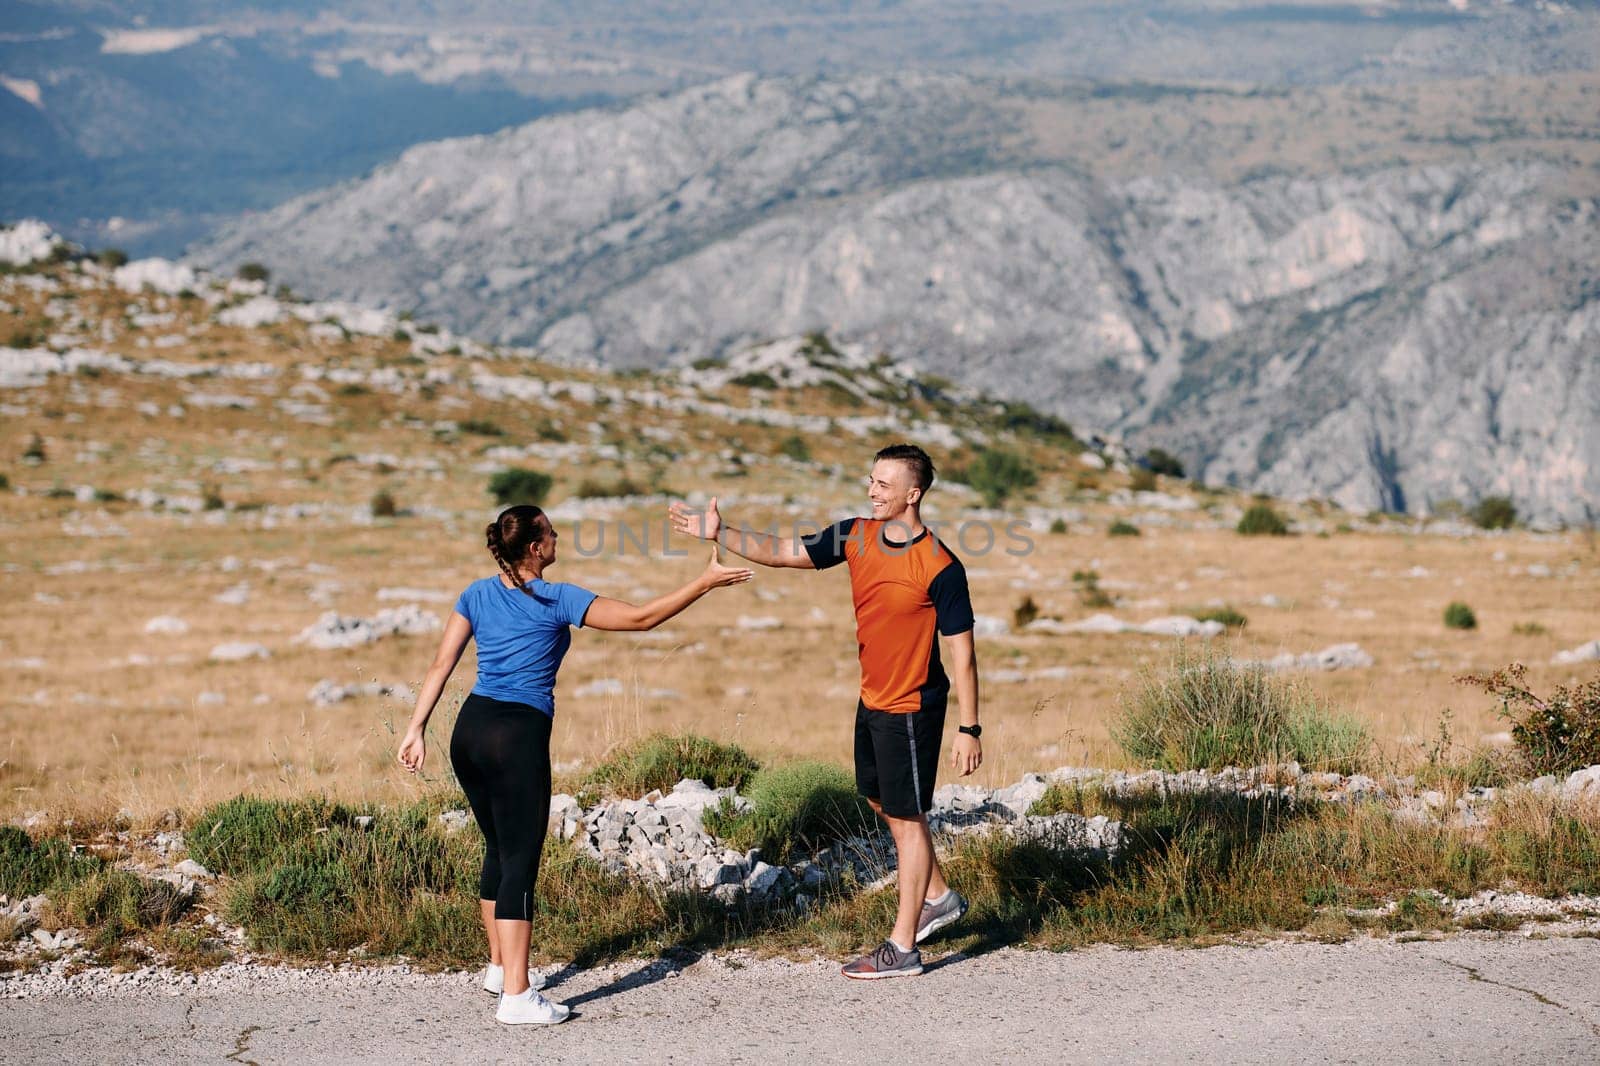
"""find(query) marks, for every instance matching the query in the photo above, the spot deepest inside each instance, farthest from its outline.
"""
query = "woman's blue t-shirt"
(522, 638)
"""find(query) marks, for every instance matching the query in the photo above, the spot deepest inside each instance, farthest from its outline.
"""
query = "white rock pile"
(1177, 625)
(1333, 657)
(327, 692)
(333, 630)
(662, 838)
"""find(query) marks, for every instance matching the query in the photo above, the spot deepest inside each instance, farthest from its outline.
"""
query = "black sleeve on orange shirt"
(826, 548)
(952, 603)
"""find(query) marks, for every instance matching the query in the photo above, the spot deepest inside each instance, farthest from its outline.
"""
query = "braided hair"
(512, 534)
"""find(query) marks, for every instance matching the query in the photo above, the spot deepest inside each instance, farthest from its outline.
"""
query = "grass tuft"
(797, 809)
(1208, 712)
(661, 760)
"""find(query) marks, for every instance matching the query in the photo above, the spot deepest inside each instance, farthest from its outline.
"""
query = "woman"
(501, 745)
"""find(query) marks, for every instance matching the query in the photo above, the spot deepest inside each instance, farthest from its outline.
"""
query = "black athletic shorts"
(897, 756)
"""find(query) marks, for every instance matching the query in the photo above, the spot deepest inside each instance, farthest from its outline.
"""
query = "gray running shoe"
(935, 916)
(885, 960)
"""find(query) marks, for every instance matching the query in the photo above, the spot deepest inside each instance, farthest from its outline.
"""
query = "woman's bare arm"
(621, 616)
(457, 631)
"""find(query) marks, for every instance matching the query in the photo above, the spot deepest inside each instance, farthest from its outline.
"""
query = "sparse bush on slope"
(661, 760)
(1261, 520)
(1556, 734)
(796, 809)
(1205, 711)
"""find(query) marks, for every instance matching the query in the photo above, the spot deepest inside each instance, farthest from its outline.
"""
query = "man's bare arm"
(966, 753)
(767, 549)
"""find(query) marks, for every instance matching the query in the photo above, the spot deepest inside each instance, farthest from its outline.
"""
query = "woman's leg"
(522, 814)
(472, 758)
(486, 909)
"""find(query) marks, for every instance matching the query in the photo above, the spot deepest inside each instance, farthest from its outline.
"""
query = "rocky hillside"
(1382, 299)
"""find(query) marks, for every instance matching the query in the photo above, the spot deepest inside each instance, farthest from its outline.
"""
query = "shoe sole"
(883, 974)
(531, 1021)
(942, 922)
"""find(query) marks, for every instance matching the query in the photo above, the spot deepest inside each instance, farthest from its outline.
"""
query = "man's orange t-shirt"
(903, 592)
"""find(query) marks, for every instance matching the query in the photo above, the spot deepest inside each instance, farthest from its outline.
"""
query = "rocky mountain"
(144, 124)
(1285, 297)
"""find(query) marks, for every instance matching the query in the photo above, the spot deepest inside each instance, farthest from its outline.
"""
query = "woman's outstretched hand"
(413, 749)
(690, 522)
(718, 575)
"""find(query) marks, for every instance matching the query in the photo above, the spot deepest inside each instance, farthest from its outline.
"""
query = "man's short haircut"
(914, 457)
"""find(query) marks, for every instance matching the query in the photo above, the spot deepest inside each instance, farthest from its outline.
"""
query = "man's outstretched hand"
(703, 524)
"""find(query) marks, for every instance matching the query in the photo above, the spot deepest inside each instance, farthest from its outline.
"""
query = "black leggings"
(501, 754)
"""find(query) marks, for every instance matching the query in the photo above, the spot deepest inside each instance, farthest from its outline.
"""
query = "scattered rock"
(1583, 653)
(1583, 783)
(166, 625)
(1333, 657)
(327, 692)
(333, 630)
(236, 651)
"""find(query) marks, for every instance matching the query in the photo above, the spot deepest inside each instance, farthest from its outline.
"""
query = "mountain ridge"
(1234, 322)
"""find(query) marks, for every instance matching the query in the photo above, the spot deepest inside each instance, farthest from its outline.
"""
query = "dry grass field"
(239, 500)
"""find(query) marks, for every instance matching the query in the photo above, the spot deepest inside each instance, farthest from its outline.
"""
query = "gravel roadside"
(1469, 998)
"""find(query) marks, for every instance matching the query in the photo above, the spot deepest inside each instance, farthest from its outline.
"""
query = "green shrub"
(85, 890)
(246, 833)
(254, 272)
(1530, 629)
(1161, 461)
(1494, 512)
(1226, 615)
(1260, 520)
(35, 449)
(308, 878)
(480, 427)
(520, 485)
(383, 505)
(211, 497)
(1459, 616)
(756, 379)
(1090, 594)
(1555, 735)
(5, 482)
(661, 760)
(1120, 528)
(1024, 612)
(997, 475)
(111, 258)
(797, 809)
(1141, 480)
(591, 488)
(817, 344)
(1058, 526)
(1207, 712)
(795, 447)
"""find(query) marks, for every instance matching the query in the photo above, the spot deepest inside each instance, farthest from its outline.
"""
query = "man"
(906, 584)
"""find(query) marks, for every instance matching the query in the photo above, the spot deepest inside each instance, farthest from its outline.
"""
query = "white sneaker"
(530, 1008)
(494, 979)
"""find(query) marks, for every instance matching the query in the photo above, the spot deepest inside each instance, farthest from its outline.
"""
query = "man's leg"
(913, 845)
(937, 886)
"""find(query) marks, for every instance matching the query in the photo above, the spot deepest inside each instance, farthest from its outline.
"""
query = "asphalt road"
(1468, 999)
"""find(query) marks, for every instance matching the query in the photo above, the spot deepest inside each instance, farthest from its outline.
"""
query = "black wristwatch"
(970, 730)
